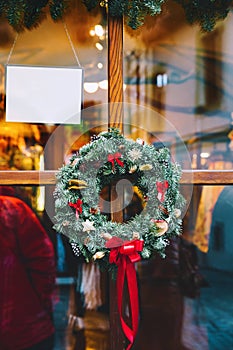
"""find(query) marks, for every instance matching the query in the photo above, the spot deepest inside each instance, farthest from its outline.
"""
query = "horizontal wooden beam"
(48, 177)
(207, 177)
(27, 178)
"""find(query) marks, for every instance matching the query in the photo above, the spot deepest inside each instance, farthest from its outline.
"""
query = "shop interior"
(177, 93)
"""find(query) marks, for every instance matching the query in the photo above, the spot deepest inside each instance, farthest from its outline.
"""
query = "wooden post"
(115, 72)
(115, 119)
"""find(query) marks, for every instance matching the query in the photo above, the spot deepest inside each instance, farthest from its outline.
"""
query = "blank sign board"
(46, 95)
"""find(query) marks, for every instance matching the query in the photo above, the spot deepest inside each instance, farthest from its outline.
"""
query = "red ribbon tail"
(119, 162)
(127, 269)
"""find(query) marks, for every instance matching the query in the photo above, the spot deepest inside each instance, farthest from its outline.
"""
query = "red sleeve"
(37, 252)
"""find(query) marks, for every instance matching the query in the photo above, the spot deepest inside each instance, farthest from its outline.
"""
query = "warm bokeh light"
(99, 31)
(103, 84)
(100, 65)
(99, 46)
(91, 87)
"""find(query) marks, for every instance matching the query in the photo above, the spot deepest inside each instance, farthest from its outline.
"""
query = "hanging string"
(71, 43)
(12, 48)
(69, 39)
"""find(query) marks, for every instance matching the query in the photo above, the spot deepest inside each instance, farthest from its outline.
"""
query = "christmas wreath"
(107, 159)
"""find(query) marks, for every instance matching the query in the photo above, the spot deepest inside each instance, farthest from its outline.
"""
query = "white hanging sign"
(48, 95)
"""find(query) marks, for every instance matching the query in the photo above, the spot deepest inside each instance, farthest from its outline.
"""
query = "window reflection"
(186, 77)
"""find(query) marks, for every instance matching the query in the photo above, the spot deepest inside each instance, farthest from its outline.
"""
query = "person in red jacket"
(27, 279)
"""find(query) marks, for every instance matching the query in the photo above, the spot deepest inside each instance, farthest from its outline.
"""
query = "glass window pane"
(185, 76)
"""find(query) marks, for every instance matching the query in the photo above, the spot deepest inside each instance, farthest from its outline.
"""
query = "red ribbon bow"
(124, 256)
(115, 157)
(162, 188)
(77, 206)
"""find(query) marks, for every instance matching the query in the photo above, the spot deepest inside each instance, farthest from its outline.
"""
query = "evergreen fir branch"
(138, 10)
(28, 14)
(34, 13)
(14, 12)
(90, 4)
(58, 8)
(205, 12)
